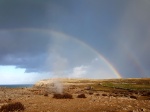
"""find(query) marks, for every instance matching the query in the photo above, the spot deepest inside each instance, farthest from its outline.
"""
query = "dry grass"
(104, 99)
(17, 106)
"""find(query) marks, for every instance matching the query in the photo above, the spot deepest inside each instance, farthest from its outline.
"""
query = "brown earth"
(41, 100)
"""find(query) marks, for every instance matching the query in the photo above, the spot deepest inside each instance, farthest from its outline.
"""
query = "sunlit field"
(64, 95)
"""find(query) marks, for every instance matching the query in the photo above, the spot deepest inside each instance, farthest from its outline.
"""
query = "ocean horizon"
(16, 85)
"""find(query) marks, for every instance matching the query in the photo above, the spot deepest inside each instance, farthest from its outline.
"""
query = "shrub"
(134, 97)
(97, 94)
(17, 106)
(148, 93)
(104, 94)
(81, 96)
(45, 94)
(63, 96)
(90, 93)
(9, 99)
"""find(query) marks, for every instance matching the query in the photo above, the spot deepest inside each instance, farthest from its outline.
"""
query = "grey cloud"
(26, 13)
(42, 51)
(23, 41)
(119, 30)
(23, 49)
(133, 39)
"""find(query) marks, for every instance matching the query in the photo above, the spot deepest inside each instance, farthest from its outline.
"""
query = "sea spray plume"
(58, 86)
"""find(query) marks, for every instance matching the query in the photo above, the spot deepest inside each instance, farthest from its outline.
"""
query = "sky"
(99, 39)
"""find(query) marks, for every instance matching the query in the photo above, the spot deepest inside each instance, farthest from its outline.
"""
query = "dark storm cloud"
(23, 49)
(22, 13)
(118, 29)
(31, 13)
(22, 42)
(42, 51)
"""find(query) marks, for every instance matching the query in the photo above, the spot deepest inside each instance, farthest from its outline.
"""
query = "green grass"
(129, 86)
(114, 84)
(122, 84)
(97, 87)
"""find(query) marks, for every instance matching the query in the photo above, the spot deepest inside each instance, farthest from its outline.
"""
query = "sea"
(16, 85)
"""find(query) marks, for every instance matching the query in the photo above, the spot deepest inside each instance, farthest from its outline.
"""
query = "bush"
(45, 94)
(134, 97)
(104, 94)
(17, 106)
(63, 96)
(81, 96)
(97, 94)
(90, 93)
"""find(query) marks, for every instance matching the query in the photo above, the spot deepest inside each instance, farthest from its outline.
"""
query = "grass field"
(122, 84)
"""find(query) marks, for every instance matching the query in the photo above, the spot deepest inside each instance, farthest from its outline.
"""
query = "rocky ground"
(40, 99)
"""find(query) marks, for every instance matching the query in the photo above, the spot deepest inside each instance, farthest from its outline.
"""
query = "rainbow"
(135, 62)
(61, 34)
